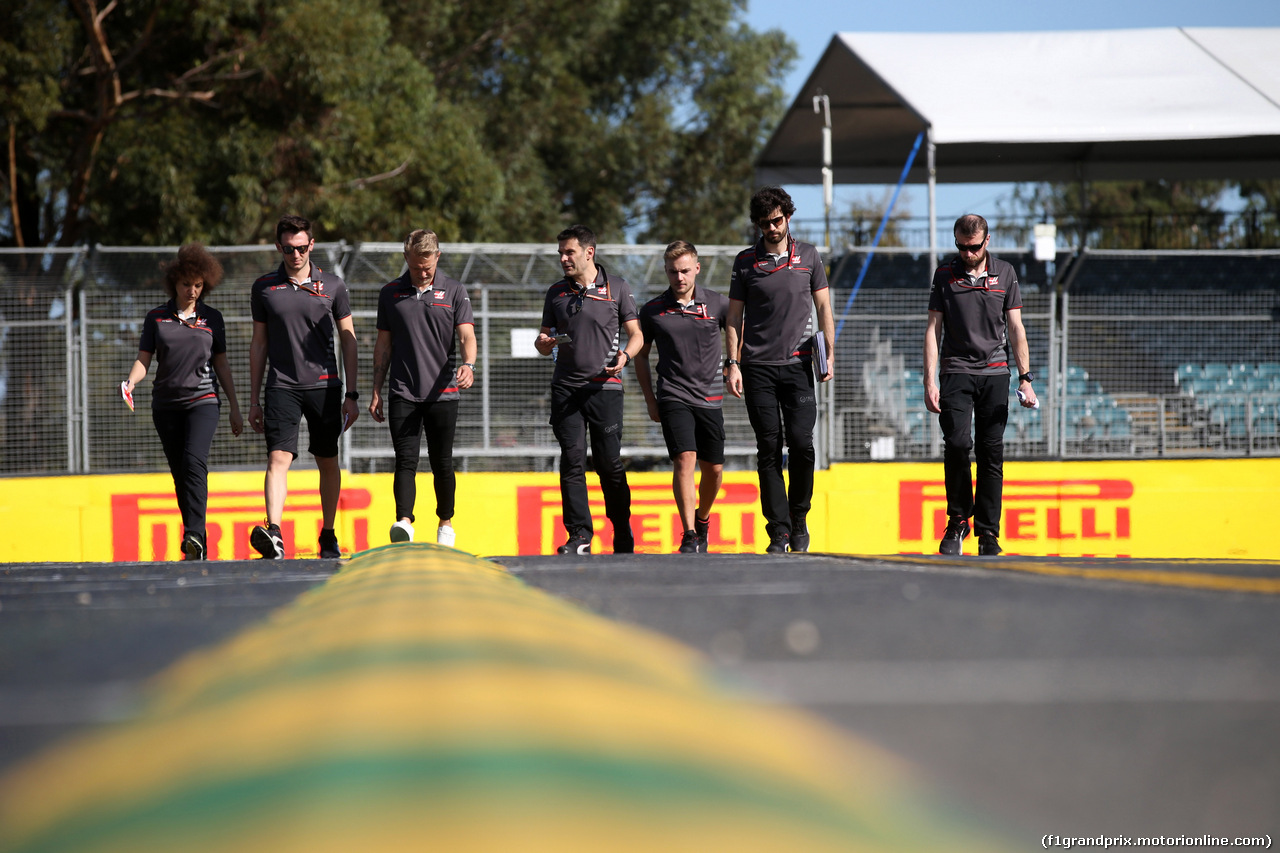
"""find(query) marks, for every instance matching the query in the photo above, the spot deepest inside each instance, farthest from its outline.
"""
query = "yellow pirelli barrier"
(425, 700)
(1149, 509)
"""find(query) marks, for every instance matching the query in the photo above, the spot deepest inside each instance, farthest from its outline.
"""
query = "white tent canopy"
(1055, 106)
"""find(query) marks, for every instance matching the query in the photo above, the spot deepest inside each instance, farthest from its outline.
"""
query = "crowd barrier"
(1205, 508)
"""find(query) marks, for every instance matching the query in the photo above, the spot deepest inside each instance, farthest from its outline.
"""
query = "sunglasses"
(296, 250)
(770, 223)
(972, 248)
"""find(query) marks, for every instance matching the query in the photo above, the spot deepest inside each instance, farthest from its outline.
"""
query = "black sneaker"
(692, 543)
(268, 541)
(193, 547)
(957, 532)
(799, 535)
(703, 528)
(778, 543)
(328, 543)
(988, 545)
(623, 541)
(579, 545)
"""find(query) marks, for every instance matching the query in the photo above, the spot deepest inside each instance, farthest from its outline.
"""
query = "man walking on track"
(297, 310)
(975, 316)
(418, 315)
(685, 322)
(771, 345)
(585, 316)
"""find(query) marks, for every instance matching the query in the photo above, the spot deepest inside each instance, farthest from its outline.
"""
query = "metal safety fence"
(1141, 354)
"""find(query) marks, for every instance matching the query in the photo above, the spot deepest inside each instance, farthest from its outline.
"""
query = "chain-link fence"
(1141, 354)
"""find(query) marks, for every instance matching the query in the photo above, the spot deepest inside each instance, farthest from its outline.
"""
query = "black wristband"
(353, 395)
(729, 361)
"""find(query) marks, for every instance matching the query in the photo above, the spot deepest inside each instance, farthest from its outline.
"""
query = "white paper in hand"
(1022, 398)
(126, 394)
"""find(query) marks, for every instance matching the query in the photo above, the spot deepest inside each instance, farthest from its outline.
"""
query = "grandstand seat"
(1265, 425)
(1240, 370)
(1253, 384)
(1185, 373)
(1075, 371)
(1077, 386)
(916, 426)
(1215, 370)
(1120, 428)
(1201, 386)
(1267, 370)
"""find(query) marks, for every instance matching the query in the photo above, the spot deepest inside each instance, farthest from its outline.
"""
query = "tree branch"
(172, 94)
(13, 185)
(361, 183)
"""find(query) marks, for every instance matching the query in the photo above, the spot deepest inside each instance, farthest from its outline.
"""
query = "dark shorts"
(696, 428)
(284, 408)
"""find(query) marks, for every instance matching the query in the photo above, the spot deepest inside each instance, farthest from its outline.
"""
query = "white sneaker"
(402, 531)
(445, 536)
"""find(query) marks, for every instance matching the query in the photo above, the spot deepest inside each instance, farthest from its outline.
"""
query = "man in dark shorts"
(297, 309)
(584, 316)
(418, 314)
(975, 317)
(685, 323)
(771, 360)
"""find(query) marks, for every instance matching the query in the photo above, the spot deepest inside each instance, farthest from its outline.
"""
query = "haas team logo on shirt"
(439, 294)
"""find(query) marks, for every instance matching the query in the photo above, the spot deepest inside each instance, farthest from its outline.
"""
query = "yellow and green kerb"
(425, 700)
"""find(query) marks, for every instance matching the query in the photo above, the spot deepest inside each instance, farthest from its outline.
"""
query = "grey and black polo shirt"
(422, 324)
(301, 323)
(777, 292)
(593, 316)
(185, 351)
(974, 332)
(687, 338)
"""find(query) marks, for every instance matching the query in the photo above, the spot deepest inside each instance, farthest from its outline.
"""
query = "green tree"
(1260, 219)
(1130, 214)
(162, 122)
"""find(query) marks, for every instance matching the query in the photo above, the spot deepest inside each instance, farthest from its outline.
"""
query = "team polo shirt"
(422, 323)
(184, 350)
(687, 337)
(301, 323)
(777, 292)
(974, 333)
(593, 316)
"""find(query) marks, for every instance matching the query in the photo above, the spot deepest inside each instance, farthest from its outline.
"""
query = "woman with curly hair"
(189, 340)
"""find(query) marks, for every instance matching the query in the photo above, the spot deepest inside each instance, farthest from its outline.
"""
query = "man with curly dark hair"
(776, 287)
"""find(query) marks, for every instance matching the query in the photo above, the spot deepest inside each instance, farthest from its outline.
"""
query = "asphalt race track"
(1069, 697)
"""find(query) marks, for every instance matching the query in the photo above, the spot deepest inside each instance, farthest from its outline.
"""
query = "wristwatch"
(469, 365)
(729, 361)
(353, 395)
(1027, 377)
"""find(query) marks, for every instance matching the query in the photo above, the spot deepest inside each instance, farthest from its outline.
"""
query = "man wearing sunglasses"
(297, 310)
(776, 286)
(975, 319)
(685, 323)
(586, 316)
